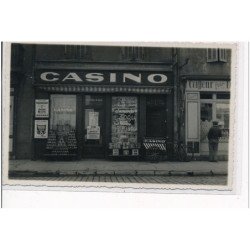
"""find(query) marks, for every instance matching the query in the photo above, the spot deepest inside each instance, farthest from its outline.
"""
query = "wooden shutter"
(212, 55)
(222, 55)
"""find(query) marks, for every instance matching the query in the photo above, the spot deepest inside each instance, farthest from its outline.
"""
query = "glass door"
(94, 127)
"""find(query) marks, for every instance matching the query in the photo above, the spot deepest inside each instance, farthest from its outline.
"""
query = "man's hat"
(215, 123)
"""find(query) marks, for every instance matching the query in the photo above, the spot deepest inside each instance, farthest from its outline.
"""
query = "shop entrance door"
(156, 120)
(94, 127)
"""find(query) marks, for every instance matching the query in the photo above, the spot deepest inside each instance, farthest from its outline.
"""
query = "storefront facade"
(76, 102)
(101, 113)
(207, 101)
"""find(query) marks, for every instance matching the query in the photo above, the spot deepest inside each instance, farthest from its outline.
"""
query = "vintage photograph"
(121, 114)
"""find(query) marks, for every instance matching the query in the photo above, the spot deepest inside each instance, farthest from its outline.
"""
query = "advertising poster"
(93, 132)
(41, 129)
(42, 108)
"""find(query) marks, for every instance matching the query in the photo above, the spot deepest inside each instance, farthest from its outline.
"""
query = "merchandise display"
(61, 143)
(124, 126)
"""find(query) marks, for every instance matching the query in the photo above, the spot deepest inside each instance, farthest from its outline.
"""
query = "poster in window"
(124, 122)
(42, 108)
(41, 129)
(93, 132)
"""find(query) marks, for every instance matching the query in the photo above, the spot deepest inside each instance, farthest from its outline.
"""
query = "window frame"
(222, 55)
(216, 55)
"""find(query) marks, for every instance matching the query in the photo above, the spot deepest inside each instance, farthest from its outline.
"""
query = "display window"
(62, 132)
(216, 107)
(124, 131)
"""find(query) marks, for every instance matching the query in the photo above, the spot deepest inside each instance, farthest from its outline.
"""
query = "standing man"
(213, 137)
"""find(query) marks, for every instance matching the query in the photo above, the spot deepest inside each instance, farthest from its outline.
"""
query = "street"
(184, 180)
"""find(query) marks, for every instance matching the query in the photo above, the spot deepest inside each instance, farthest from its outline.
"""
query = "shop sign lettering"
(103, 77)
(208, 85)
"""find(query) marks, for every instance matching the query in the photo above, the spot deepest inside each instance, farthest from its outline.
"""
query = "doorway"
(156, 117)
(94, 126)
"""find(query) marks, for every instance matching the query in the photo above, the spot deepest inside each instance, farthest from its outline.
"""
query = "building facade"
(102, 101)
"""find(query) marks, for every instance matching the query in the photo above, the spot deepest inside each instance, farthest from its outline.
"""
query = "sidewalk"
(107, 167)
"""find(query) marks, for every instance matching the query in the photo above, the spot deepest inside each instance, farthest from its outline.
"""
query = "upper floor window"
(216, 55)
(77, 52)
(133, 53)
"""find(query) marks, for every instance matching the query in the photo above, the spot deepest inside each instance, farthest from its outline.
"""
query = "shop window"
(206, 120)
(124, 125)
(216, 55)
(218, 111)
(62, 137)
(222, 116)
(63, 112)
(206, 112)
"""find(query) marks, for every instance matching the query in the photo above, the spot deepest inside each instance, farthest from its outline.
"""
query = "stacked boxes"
(61, 143)
(61, 147)
(51, 142)
(72, 144)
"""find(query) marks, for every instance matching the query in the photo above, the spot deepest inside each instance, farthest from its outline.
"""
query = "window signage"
(42, 108)
(104, 77)
(208, 86)
(41, 129)
(93, 132)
